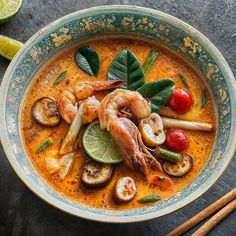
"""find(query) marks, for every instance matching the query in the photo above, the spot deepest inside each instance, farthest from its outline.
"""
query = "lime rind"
(99, 145)
(9, 47)
(9, 9)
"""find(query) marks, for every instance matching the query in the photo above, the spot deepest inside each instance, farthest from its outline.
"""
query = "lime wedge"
(8, 8)
(9, 47)
(99, 145)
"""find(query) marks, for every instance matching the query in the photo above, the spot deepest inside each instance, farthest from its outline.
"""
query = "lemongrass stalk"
(189, 125)
(71, 136)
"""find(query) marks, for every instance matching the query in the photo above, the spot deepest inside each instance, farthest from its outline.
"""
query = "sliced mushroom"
(96, 175)
(45, 112)
(66, 164)
(180, 168)
(124, 189)
(152, 131)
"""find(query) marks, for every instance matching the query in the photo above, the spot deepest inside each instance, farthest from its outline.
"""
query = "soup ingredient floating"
(177, 139)
(45, 112)
(99, 145)
(181, 101)
(66, 164)
(62, 166)
(183, 80)
(45, 145)
(158, 92)
(184, 124)
(166, 155)
(203, 98)
(124, 132)
(70, 139)
(9, 47)
(96, 175)
(8, 9)
(149, 61)
(60, 78)
(52, 165)
(150, 198)
(152, 131)
(124, 189)
(127, 67)
(163, 182)
(88, 88)
(88, 60)
(180, 168)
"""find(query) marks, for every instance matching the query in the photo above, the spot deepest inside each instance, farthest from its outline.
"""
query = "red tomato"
(177, 139)
(181, 101)
(162, 182)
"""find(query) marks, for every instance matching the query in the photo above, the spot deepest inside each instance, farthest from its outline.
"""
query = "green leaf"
(203, 98)
(183, 80)
(127, 67)
(88, 60)
(149, 61)
(60, 78)
(158, 92)
(45, 145)
(150, 198)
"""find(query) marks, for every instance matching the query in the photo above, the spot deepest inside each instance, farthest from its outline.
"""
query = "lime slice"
(9, 47)
(99, 145)
(8, 8)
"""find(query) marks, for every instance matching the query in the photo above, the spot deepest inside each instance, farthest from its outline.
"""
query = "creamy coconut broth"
(146, 176)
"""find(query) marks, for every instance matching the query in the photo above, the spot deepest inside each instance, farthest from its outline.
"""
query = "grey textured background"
(22, 213)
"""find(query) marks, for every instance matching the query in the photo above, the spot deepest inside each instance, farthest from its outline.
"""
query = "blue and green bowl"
(128, 21)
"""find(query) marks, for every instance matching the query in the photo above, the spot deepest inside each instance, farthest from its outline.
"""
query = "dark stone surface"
(22, 213)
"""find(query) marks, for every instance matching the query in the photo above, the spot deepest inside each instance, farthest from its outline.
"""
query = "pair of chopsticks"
(227, 204)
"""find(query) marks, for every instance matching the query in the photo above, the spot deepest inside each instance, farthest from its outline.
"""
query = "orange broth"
(167, 65)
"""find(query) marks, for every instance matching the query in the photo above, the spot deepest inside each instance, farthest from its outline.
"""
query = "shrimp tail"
(108, 84)
(88, 89)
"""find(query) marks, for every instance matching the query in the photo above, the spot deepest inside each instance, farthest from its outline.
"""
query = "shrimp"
(90, 109)
(68, 106)
(124, 132)
(87, 89)
(128, 139)
(111, 104)
(68, 101)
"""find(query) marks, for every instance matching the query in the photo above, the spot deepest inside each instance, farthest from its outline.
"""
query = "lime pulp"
(99, 145)
(9, 47)
(8, 9)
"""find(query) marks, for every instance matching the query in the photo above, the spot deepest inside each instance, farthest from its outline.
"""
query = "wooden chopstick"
(219, 216)
(204, 214)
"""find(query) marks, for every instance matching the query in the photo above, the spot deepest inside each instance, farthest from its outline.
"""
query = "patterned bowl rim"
(211, 49)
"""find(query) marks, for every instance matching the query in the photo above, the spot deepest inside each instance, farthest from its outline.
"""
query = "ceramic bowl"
(130, 21)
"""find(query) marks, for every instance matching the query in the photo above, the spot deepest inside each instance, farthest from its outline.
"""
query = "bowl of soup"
(118, 114)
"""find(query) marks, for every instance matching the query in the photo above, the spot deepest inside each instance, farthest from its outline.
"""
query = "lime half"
(99, 145)
(8, 8)
(9, 47)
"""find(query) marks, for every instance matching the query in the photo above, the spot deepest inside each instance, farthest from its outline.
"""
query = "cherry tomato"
(181, 101)
(163, 182)
(177, 139)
